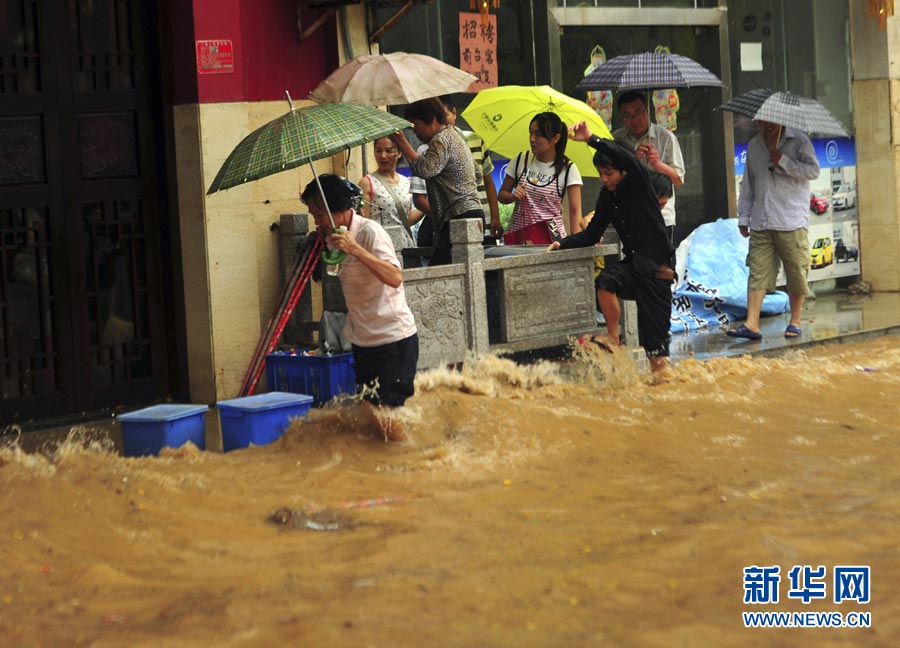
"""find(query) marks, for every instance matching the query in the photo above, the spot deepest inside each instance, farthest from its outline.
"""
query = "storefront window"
(801, 46)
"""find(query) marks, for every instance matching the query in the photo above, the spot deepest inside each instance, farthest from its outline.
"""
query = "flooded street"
(534, 506)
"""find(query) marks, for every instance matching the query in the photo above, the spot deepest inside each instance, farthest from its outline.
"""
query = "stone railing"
(506, 298)
(500, 299)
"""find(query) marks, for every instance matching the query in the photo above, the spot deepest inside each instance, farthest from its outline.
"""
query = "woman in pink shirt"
(380, 324)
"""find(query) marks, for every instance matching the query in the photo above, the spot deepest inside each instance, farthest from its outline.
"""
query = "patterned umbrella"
(389, 79)
(648, 71)
(787, 109)
(302, 136)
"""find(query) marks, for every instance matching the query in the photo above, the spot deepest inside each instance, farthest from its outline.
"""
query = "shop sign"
(215, 57)
(478, 49)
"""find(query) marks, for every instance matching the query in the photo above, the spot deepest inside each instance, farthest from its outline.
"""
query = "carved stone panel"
(439, 307)
(548, 299)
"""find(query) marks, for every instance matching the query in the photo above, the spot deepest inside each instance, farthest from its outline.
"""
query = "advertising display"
(833, 208)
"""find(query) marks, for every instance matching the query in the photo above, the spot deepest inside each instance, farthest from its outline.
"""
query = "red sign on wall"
(215, 57)
(478, 49)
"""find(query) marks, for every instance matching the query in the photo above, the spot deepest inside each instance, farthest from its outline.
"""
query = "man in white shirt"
(380, 325)
(773, 211)
(654, 145)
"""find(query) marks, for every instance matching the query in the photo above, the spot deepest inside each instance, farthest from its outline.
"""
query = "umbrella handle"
(333, 257)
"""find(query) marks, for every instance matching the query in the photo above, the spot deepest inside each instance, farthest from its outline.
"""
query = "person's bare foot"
(658, 363)
(661, 371)
(607, 343)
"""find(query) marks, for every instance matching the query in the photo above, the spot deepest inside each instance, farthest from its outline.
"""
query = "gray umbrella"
(647, 71)
(787, 109)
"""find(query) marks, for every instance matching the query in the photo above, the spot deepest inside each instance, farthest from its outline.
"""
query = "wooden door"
(81, 315)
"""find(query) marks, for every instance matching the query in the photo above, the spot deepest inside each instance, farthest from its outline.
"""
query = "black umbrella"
(648, 71)
(787, 109)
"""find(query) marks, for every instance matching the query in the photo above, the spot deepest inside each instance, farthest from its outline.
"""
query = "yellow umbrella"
(501, 117)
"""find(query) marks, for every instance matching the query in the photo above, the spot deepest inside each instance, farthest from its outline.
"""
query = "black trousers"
(389, 368)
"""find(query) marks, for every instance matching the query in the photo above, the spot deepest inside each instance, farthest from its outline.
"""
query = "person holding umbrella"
(448, 168)
(773, 212)
(487, 191)
(654, 145)
(379, 324)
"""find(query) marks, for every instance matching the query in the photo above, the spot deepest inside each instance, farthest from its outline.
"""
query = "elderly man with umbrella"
(773, 210)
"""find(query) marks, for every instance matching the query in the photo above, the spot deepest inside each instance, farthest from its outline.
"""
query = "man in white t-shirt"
(654, 145)
(380, 325)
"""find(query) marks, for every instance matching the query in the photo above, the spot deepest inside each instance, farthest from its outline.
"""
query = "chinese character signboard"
(215, 57)
(478, 49)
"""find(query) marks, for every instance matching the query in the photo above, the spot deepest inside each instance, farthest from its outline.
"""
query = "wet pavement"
(836, 317)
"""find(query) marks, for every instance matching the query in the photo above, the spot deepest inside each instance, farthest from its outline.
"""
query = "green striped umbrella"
(302, 136)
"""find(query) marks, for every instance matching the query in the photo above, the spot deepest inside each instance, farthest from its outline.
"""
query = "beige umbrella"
(390, 79)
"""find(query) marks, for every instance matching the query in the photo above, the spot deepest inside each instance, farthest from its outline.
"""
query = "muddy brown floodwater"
(553, 505)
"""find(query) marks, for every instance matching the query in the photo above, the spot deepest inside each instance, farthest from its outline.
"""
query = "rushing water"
(554, 505)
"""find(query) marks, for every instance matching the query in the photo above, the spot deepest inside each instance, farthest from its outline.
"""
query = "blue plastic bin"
(321, 376)
(146, 431)
(259, 419)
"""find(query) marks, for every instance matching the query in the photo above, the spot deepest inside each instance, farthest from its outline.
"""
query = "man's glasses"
(633, 116)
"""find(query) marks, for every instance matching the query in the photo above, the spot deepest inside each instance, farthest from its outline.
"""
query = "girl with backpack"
(537, 181)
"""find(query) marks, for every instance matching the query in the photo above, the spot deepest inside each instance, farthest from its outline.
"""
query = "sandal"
(792, 331)
(743, 332)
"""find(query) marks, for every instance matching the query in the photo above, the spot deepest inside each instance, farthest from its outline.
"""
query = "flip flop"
(584, 341)
(792, 331)
(743, 332)
(602, 344)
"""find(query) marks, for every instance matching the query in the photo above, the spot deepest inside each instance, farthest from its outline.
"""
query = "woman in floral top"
(387, 199)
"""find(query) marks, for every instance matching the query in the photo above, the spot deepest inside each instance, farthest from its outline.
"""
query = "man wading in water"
(379, 324)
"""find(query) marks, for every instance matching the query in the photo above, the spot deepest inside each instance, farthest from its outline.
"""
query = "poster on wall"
(600, 100)
(665, 101)
(478, 49)
(833, 215)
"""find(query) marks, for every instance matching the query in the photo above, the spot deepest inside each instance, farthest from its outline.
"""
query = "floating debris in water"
(322, 520)
(328, 518)
(862, 368)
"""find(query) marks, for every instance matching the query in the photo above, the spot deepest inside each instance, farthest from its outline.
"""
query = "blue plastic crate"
(321, 376)
(146, 431)
(259, 419)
